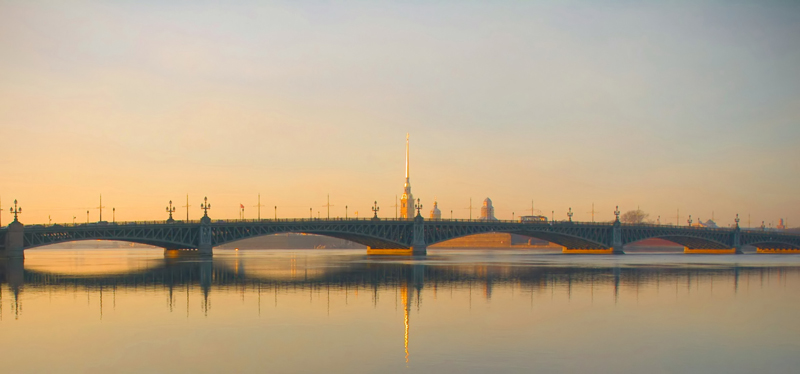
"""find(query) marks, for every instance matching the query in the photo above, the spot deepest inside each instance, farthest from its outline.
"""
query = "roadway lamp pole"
(310, 213)
(113, 215)
(690, 220)
(418, 205)
(187, 207)
(276, 212)
(87, 216)
(345, 212)
(569, 214)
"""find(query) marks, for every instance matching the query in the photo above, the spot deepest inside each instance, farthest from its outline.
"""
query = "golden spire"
(407, 181)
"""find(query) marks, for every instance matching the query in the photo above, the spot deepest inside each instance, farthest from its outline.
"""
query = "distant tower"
(407, 201)
(781, 225)
(487, 211)
(435, 212)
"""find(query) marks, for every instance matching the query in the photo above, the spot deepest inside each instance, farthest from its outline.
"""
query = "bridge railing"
(366, 219)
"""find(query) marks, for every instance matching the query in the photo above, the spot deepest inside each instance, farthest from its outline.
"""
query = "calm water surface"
(132, 311)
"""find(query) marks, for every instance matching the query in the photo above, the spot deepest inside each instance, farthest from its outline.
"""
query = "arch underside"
(774, 245)
(691, 242)
(565, 240)
(366, 240)
(155, 243)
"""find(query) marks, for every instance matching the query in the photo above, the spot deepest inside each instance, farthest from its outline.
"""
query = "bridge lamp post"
(170, 210)
(552, 216)
(418, 205)
(375, 209)
(737, 220)
(49, 220)
(690, 220)
(310, 213)
(616, 213)
(15, 210)
(276, 212)
(451, 214)
(569, 214)
(512, 216)
(205, 206)
(113, 215)
(73, 219)
(345, 212)
(658, 220)
(762, 225)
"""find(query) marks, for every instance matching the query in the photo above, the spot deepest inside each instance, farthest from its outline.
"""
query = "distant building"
(710, 224)
(435, 212)
(407, 201)
(781, 225)
(487, 211)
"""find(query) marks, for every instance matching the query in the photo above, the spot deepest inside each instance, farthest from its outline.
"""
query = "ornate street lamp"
(418, 206)
(170, 210)
(616, 213)
(569, 214)
(690, 220)
(375, 209)
(15, 210)
(205, 206)
(737, 220)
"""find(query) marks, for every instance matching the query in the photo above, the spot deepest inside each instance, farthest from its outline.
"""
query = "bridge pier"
(15, 241)
(204, 239)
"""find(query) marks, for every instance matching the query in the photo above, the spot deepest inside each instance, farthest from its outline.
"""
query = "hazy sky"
(666, 105)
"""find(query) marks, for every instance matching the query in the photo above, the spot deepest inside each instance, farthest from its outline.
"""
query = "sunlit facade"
(487, 211)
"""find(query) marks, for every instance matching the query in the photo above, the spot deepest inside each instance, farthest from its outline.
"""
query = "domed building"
(487, 211)
(435, 212)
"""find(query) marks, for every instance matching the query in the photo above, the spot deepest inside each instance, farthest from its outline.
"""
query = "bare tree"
(634, 216)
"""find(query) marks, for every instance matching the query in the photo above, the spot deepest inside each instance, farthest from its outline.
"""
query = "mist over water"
(477, 311)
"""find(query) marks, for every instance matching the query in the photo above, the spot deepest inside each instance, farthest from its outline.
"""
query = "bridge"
(394, 236)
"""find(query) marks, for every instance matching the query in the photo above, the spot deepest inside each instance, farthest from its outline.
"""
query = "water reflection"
(356, 273)
(450, 300)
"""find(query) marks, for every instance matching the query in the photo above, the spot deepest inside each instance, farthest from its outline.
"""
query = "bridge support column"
(15, 241)
(418, 246)
(204, 237)
(616, 238)
(737, 238)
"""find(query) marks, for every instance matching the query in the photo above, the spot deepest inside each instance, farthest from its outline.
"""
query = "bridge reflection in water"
(341, 278)
(326, 300)
(355, 273)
